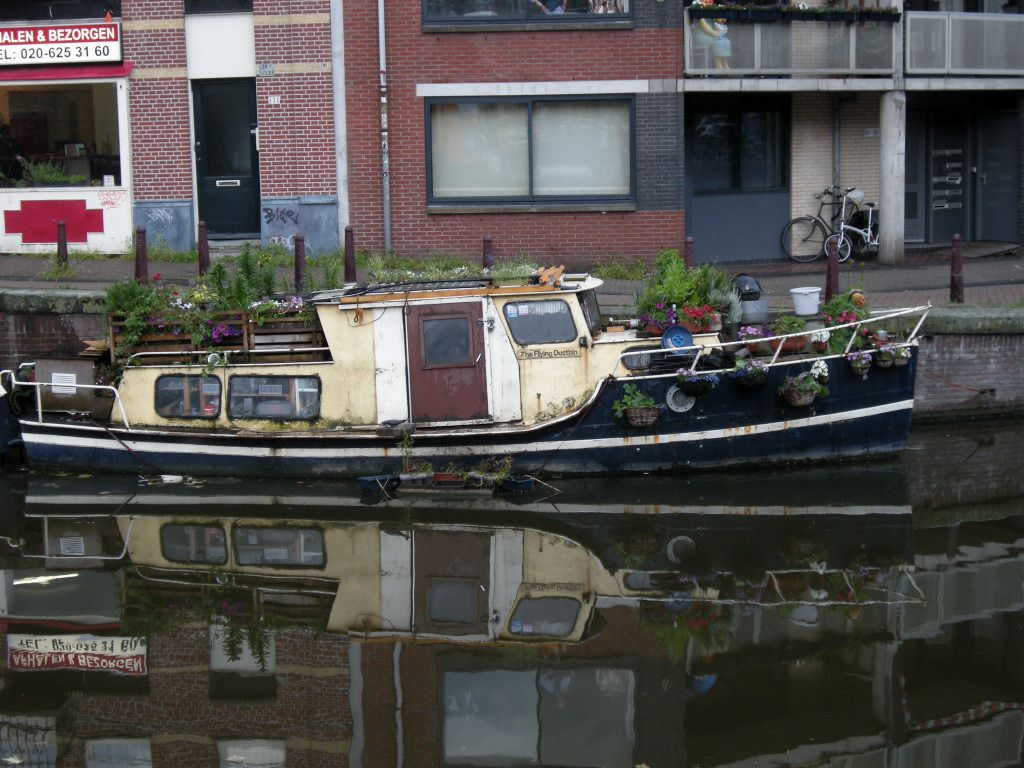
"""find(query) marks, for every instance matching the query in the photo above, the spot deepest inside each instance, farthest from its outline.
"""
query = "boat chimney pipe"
(350, 255)
(141, 261)
(300, 263)
(487, 258)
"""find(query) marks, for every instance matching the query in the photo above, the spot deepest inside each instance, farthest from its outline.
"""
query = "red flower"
(156, 277)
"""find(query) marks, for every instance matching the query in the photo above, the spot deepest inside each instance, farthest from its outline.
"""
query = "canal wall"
(971, 362)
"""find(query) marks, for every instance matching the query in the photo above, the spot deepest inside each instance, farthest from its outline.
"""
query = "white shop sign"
(40, 653)
(29, 46)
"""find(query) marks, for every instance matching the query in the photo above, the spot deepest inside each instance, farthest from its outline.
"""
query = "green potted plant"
(901, 356)
(801, 390)
(640, 409)
(47, 174)
(785, 325)
(860, 363)
(749, 373)
(885, 357)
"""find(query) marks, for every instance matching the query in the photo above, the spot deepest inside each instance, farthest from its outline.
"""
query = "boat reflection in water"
(747, 621)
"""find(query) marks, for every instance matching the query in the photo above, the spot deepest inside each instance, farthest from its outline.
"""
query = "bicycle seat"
(871, 204)
(855, 196)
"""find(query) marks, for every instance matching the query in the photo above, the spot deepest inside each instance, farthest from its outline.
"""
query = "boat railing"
(225, 355)
(699, 350)
(15, 383)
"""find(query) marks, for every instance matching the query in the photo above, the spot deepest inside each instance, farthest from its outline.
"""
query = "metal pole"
(300, 263)
(956, 272)
(350, 255)
(62, 244)
(141, 261)
(688, 253)
(204, 249)
(831, 269)
(487, 257)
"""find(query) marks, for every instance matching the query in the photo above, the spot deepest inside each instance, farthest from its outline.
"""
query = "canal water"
(851, 616)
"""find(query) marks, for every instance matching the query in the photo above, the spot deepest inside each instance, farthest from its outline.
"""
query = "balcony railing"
(964, 43)
(795, 48)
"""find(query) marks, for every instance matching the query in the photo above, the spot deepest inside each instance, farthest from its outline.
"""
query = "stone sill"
(435, 210)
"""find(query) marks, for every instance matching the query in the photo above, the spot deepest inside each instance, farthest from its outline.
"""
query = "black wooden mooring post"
(300, 263)
(204, 249)
(62, 244)
(831, 268)
(350, 255)
(688, 253)
(487, 255)
(956, 272)
(141, 258)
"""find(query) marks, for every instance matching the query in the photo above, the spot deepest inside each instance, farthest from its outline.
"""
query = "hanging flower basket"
(641, 417)
(860, 362)
(799, 399)
(801, 390)
(901, 357)
(749, 373)
(695, 384)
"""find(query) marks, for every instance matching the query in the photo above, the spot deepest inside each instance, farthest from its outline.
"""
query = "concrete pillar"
(892, 175)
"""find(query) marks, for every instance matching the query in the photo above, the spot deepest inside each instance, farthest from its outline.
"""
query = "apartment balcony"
(964, 43)
(794, 48)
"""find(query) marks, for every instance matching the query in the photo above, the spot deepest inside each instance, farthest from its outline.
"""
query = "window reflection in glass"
(278, 546)
(479, 150)
(553, 616)
(553, 11)
(568, 136)
(540, 322)
(195, 397)
(194, 544)
(273, 397)
(741, 150)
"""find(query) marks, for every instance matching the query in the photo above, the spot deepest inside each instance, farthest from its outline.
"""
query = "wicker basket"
(899, 362)
(884, 362)
(642, 417)
(799, 399)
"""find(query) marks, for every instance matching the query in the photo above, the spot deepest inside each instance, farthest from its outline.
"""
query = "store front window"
(60, 135)
(524, 10)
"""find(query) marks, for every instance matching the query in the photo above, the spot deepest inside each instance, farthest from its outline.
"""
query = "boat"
(386, 378)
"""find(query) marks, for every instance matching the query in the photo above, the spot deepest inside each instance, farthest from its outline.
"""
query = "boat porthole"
(680, 548)
(678, 400)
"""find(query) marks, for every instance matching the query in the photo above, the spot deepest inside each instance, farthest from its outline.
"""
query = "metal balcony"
(964, 43)
(796, 48)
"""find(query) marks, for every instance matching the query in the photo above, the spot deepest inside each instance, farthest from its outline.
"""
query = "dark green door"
(227, 160)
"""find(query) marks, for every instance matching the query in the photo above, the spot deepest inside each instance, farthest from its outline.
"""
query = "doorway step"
(221, 248)
(970, 250)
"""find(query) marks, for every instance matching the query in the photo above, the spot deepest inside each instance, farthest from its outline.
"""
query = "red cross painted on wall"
(36, 222)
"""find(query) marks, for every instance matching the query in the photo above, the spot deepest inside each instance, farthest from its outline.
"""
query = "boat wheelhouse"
(375, 379)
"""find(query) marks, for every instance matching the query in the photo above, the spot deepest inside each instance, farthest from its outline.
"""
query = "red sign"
(36, 222)
(60, 44)
(40, 653)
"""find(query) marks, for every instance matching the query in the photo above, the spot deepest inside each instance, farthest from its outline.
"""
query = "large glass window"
(195, 397)
(540, 322)
(278, 546)
(273, 397)
(738, 150)
(542, 150)
(554, 616)
(60, 135)
(218, 6)
(547, 11)
(48, 10)
(194, 544)
(118, 753)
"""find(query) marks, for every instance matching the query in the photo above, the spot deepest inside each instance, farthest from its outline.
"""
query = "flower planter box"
(891, 18)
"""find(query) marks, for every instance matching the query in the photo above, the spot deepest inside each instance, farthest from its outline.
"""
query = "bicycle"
(868, 235)
(803, 238)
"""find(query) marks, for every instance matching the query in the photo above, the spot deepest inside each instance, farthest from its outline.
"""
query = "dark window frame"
(512, 333)
(314, 417)
(203, 379)
(530, 198)
(555, 19)
(170, 559)
(41, 10)
(470, 363)
(567, 598)
(200, 7)
(736, 111)
(294, 566)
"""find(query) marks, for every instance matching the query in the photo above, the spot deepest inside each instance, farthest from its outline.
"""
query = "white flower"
(819, 368)
(820, 336)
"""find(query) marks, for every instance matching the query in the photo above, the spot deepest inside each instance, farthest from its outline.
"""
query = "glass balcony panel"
(965, 43)
(926, 42)
(796, 48)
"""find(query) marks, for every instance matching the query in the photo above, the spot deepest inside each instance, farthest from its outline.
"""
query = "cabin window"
(540, 322)
(591, 310)
(453, 601)
(117, 753)
(188, 397)
(194, 544)
(279, 546)
(512, 151)
(446, 341)
(274, 397)
(552, 616)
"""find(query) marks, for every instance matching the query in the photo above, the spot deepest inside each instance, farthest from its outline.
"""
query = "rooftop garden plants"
(698, 297)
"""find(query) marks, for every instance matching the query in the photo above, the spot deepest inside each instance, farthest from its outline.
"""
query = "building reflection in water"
(810, 619)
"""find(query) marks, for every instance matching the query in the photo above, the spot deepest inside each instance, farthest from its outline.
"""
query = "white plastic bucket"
(805, 300)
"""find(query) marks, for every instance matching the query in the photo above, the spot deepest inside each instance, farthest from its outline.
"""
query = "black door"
(227, 161)
(946, 177)
(997, 172)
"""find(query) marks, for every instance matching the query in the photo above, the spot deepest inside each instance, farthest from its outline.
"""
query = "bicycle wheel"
(861, 247)
(843, 246)
(803, 239)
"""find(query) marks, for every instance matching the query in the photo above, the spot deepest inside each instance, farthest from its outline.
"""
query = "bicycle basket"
(856, 196)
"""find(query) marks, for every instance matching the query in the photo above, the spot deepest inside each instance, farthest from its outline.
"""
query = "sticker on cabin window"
(512, 310)
(524, 309)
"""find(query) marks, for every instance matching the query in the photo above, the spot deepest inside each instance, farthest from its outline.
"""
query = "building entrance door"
(995, 177)
(227, 158)
(946, 177)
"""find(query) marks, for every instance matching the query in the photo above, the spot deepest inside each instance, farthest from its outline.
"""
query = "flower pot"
(642, 417)
(791, 345)
(751, 381)
(899, 362)
(860, 368)
(693, 326)
(819, 346)
(695, 388)
(797, 398)
(884, 362)
(754, 347)
(653, 330)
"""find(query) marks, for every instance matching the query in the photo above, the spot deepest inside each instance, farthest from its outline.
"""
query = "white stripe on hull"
(170, 443)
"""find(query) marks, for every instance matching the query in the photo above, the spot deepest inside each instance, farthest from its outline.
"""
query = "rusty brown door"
(453, 577)
(447, 369)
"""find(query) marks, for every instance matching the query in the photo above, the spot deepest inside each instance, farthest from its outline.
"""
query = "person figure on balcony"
(550, 6)
(715, 35)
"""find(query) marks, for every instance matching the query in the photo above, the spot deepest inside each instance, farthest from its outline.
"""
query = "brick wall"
(810, 151)
(652, 50)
